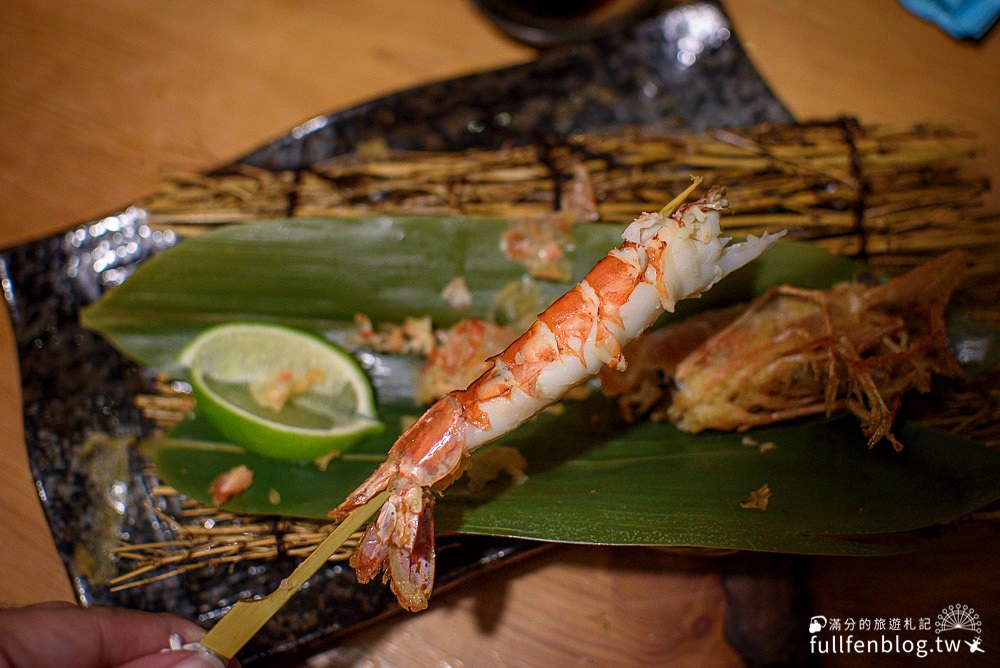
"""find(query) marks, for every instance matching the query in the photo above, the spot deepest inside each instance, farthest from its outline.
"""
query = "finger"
(178, 659)
(89, 638)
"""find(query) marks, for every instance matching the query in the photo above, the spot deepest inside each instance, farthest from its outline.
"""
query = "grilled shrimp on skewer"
(665, 257)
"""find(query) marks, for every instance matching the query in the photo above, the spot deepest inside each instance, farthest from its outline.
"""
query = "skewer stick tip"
(676, 202)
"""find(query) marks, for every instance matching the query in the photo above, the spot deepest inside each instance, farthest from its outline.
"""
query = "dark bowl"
(548, 23)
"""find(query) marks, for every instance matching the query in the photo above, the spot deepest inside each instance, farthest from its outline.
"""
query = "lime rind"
(341, 403)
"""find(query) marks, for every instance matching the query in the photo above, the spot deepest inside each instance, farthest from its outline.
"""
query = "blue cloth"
(959, 18)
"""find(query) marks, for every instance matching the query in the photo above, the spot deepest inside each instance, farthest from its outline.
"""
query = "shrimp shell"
(797, 352)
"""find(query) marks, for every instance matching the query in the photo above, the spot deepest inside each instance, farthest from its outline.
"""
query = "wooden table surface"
(101, 98)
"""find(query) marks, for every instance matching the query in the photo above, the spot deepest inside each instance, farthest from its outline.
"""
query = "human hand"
(63, 635)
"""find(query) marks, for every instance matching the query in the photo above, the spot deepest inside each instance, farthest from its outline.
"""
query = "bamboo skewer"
(247, 617)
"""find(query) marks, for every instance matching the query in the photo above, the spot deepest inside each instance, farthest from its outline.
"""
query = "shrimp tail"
(401, 542)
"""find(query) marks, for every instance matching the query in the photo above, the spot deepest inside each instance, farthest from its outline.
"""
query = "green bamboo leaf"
(653, 484)
(590, 478)
(315, 274)
(593, 480)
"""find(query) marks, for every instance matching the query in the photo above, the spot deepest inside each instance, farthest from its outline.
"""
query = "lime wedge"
(278, 391)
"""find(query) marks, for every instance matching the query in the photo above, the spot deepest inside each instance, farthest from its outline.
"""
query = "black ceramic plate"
(681, 68)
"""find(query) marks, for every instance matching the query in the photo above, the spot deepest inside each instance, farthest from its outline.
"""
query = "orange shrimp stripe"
(614, 280)
(570, 318)
(528, 357)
